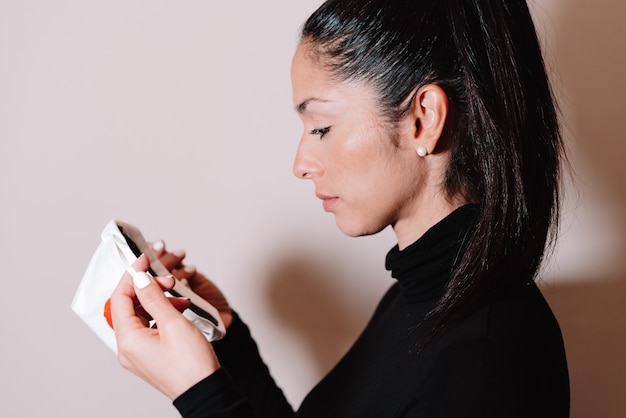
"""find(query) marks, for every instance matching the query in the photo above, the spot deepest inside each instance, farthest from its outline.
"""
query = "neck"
(410, 228)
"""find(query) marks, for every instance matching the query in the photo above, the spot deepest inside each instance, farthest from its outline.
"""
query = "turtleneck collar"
(424, 267)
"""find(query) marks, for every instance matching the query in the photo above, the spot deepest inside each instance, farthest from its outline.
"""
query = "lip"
(328, 202)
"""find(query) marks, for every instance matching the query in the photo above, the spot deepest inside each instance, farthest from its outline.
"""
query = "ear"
(427, 117)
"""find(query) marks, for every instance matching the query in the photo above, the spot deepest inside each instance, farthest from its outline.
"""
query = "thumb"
(152, 298)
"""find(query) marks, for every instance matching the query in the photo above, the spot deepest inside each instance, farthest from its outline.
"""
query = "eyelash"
(321, 131)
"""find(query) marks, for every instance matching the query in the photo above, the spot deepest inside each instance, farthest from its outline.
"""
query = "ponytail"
(509, 157)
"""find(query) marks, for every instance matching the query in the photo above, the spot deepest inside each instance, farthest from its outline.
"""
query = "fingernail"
(158, 246)
(141, 279)
(179, 253)
(190, 269)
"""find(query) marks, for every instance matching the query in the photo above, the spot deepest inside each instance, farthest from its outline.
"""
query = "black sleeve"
(242, 388)
(215, 396)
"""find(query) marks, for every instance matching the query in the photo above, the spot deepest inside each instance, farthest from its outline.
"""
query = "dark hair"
(505, 141)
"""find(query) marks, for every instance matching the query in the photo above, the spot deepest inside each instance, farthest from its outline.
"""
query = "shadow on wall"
(591, 63)
(305, 296)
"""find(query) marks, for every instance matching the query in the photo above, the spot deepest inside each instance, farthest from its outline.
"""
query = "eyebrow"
(301, 108)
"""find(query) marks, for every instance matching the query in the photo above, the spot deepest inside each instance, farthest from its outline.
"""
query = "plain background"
(177, 117)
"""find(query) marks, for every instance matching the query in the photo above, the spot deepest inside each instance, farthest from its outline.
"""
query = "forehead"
(313, 84)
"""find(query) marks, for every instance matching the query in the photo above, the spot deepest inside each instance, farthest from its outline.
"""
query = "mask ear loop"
(138, 276)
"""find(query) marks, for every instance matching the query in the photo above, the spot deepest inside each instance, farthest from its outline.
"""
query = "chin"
(357, 229)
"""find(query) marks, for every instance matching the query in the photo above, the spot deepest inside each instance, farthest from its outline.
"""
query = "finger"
(180, 304)
(122, 301)
(143, 316)
(172, 260)
(142, 263)
(185, 272)
(153, 300)
(166, 282)
(158, 248)
(198, 279)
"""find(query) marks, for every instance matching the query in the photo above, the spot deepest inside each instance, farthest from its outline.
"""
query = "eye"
(321, 131)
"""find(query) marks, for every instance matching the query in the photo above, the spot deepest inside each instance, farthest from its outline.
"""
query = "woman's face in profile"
(348, 151)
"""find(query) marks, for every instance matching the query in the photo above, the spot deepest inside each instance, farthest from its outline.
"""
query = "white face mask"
(120, 246)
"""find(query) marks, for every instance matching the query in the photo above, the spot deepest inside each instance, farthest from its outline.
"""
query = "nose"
(306, 165)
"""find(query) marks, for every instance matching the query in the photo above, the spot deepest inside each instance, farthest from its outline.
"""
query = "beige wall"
(176, 116)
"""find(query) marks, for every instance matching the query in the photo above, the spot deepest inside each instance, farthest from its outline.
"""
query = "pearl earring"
(421, 151)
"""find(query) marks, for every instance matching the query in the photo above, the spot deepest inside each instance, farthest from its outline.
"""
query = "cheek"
(346, 164)
(375, 192)
(373, 197)
(390, 182)
(360, 153)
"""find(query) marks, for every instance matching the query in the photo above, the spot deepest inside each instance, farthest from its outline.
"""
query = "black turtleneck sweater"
(504, 359)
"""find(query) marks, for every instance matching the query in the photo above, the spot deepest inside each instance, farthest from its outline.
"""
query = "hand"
(173, 356)
(197, 281)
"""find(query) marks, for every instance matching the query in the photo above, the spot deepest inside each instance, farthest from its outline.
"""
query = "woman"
(434, 117)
